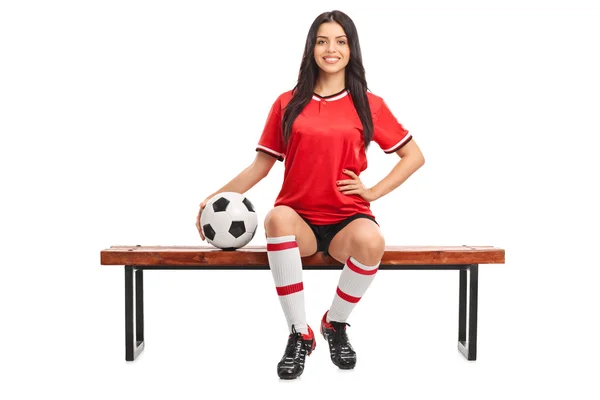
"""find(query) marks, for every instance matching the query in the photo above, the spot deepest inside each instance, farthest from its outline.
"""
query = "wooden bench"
(138, 258)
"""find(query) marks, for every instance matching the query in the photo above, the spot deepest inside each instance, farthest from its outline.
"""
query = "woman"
(321, 129)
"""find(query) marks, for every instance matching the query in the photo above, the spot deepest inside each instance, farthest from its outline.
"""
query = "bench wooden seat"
(136, 259)
(256, 256)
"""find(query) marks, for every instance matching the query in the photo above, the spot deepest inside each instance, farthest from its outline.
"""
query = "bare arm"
(250, 176)
(244, 181)
(411, 159)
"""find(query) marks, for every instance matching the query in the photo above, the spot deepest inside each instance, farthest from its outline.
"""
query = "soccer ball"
(229, 221)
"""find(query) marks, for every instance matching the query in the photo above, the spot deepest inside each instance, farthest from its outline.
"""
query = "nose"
(331, 47)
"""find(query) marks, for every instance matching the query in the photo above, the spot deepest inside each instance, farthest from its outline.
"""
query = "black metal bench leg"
(139, 306)
(468, 345)
(134, 325)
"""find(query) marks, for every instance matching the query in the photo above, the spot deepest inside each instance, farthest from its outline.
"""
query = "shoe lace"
(340, 338)
(295, 344)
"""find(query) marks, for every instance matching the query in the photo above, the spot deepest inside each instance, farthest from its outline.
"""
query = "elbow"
(420, 158)
(417, 160)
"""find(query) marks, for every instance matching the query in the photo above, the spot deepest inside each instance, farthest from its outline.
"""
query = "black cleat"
(298, 347)
(340, 349)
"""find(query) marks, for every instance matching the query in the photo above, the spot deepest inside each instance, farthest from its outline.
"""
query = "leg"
(360, 246)
(468, 346)
(288, 238)
(134, 335)
(139, 306)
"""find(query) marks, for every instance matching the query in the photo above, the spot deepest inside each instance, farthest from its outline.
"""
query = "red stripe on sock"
(281, 246)
(290, 289)
(347, 297)
(359, 270)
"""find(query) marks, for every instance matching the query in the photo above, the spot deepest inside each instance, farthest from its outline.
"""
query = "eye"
(342, 41)
(319, 41)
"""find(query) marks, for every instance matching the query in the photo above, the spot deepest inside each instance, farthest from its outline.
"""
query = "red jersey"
(327, 137)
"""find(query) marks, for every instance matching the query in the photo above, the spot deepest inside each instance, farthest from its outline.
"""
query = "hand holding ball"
(229, 221)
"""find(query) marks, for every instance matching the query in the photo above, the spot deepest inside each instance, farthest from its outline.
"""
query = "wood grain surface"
(257, 256)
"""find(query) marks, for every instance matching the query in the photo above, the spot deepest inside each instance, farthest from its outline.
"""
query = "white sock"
(286, 266)
(354, 282)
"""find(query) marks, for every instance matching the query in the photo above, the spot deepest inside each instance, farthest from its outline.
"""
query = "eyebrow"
(335, 37)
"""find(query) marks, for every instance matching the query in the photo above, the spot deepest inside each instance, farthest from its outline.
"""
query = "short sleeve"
(388, 133)
(271, 140)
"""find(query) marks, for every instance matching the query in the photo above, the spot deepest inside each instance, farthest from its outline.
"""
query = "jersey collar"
(331, 97)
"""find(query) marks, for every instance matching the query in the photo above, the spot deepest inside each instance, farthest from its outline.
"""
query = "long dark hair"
(356, 84)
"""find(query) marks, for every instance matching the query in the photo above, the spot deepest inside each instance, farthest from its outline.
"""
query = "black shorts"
(325, 233)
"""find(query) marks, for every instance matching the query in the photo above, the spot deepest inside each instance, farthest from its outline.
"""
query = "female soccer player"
(321, 130)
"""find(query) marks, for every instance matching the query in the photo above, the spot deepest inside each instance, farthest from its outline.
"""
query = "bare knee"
(279, 221)
(369, 247)
(284, 221)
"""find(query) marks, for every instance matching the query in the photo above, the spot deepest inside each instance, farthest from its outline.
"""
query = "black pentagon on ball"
(237, 229)
(249, 205)
(209, 232)
(220, 205)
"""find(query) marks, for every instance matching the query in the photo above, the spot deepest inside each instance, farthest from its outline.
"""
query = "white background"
(119, 117)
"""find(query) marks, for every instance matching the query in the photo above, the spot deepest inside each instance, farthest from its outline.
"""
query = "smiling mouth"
(331, 60)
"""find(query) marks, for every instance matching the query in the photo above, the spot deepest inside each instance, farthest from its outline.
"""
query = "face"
(332, 52)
